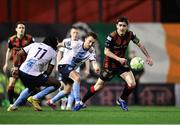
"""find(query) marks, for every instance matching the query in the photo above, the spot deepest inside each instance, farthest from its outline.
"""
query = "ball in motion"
(137, 63)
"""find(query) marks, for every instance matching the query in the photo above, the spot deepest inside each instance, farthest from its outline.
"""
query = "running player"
(80, 52)
(115, 62)
(32, 72)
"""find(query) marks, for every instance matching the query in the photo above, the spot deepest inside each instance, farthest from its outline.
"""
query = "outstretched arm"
(95, 66)
(145, 52)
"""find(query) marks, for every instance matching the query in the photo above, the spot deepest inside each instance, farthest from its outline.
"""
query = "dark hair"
(20, 22)
(122, 19)
(94, 35)
(51, 41)
(73, 27)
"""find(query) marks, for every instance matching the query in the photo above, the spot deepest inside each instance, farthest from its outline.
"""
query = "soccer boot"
(84, 106)
(68, 108)
(78, 106)
(35, 103)
(12, 108)
(53, 106)
(122, 104)
(63, 103)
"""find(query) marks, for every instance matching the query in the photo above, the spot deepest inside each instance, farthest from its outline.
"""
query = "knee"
(77, 79)
(67, 89)
(131, 85)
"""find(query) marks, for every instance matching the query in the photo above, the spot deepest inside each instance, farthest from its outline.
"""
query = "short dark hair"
(73, 27)
(94, 35)
(51, 41)
(122, 19)
(20, 22)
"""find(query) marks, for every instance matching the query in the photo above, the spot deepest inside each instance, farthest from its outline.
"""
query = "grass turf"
(93, 115)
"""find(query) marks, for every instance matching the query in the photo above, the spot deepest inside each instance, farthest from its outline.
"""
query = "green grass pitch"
(93, 115)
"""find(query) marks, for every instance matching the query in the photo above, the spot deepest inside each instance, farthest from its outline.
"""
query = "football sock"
(58, 96)
(11, 94)
(70, 99)
(89, 94)
(126, 92)
(22, 97)
(76, 91)
(44, 92)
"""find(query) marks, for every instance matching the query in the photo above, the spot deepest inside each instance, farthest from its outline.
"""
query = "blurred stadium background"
(156, 22)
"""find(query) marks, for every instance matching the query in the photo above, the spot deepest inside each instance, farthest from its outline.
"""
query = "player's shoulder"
(129, 32)
(28, 35)
(92, 50)
(113, 34)
(67, 39)
(11, 38)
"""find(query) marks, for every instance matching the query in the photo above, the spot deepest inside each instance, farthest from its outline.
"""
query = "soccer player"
(32, 72)
(115, 62)
(74, 37)
(80, 52)
(15, 43)
(62, 53)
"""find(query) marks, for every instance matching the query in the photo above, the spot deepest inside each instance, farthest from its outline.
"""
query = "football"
(137, 63)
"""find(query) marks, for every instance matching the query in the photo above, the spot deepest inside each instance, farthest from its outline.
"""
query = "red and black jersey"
(118, 45)
(15, 44)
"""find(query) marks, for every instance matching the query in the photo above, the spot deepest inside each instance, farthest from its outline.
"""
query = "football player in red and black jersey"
(15, 43)
(115, 62)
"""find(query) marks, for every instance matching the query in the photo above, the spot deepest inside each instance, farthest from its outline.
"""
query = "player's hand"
(123, 61)
(5, 67)
(149, 61)
(15, 72)
(97, 70)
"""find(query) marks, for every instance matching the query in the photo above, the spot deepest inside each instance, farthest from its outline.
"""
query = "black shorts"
(108, 74)
(32, 82)
(65, 69)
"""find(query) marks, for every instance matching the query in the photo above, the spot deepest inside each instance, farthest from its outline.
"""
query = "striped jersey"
(118, 45)
(15, 44)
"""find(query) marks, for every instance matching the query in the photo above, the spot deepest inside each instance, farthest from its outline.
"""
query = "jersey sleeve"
(93, 56)
(67, 44)
(10, 46)
(108, 42)
(61, 49)
(134, 38)
(53, 60)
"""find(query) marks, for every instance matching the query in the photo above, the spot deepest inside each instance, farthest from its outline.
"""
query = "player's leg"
(92, 91)
(10, 89)
(35, 100)
(129, 87)
(22, 97)
(70, 100)
(44, 92)
(105, 75)
(61, 94)
(63, 102)
(76, 85)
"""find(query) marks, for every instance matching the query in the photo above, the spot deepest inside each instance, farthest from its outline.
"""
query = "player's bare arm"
(108, 53)
(49, 69)
(7, 60)
(143, 49)
(95, 66)
(20, 54)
